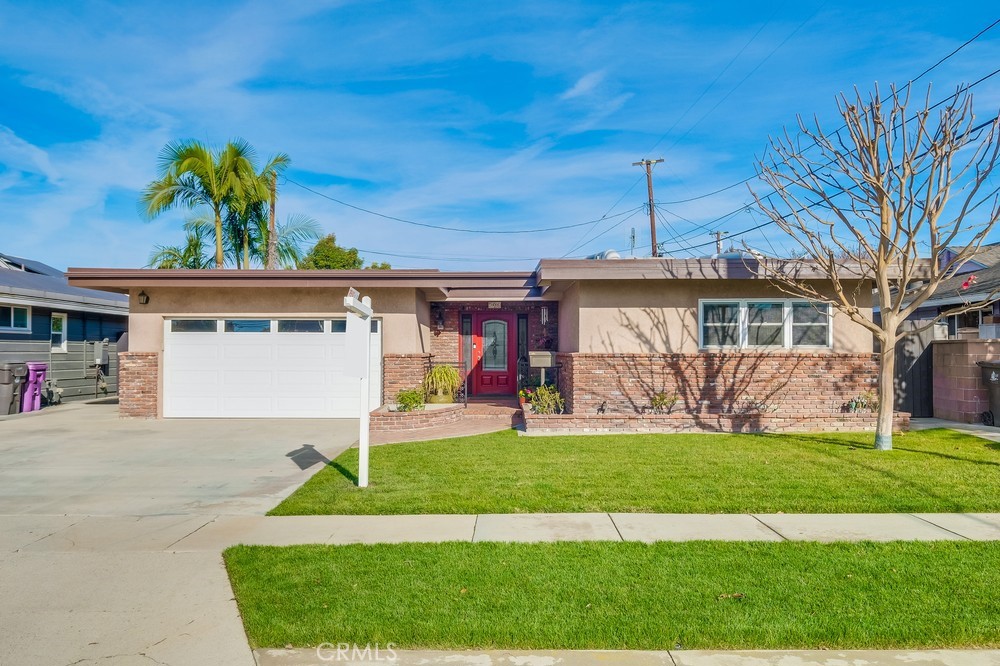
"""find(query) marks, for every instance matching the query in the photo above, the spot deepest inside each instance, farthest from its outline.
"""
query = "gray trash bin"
(991, 378)
(12, 377)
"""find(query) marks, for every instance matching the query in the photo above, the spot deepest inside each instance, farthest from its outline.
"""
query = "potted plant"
(441, 383)
(525, 395)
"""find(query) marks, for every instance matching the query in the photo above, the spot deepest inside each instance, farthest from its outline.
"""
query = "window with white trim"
(58, 332)
(720, 324)
(763, 323)
(15, 318)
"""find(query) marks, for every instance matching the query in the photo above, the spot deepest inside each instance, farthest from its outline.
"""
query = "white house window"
(810, 325)
(765, 324)
(720, 324)
(779, 323)
(58, 332)
(15, 318)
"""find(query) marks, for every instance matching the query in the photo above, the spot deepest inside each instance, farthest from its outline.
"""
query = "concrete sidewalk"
(211, 534)
(310, 657)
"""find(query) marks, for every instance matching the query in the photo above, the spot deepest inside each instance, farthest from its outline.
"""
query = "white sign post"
(357, 364)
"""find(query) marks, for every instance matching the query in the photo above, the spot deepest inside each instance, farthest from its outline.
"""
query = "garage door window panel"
(300, 326)
(248, 326)
(194, 326)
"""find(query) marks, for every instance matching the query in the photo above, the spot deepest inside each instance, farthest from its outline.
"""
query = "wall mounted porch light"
(143, 298)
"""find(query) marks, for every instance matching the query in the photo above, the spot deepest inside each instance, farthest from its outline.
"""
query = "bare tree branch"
(896, 202)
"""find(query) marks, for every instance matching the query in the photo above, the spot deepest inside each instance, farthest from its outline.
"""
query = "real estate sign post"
(357, 363)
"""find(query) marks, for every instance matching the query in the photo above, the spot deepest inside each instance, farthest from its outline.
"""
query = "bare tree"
(895, 199)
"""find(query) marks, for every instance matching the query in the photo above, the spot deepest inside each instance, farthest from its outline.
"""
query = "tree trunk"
(218, 239)
(272, 237)
(886, 396)
(246, 249)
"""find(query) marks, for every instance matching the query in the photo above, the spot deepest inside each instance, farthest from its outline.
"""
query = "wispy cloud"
(585, 85)
(18, 155)
(518, 116)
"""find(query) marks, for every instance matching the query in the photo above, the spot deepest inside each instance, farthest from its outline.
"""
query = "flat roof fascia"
(121, 280)
(572, 270)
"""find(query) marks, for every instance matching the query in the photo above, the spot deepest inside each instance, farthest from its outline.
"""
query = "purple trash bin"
(31, 398)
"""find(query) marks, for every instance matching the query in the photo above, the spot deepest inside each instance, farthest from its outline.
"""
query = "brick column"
(401, 372)
(138, 384)
(566, 386)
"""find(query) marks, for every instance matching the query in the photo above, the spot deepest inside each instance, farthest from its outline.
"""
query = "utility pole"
(652, 211)
(718, 241)
(272, 239)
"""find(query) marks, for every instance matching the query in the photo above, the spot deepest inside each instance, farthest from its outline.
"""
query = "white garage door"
(263, 368)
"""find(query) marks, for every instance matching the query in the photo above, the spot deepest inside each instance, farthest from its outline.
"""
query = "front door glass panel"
(495, 345)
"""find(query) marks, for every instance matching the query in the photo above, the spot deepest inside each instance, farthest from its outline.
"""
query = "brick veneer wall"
(783, 385)
(959, 392)
(401, 372)
(138, 384)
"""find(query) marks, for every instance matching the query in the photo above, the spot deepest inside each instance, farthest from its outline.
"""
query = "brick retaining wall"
(537, 424)
(138, 384)
(382, 420)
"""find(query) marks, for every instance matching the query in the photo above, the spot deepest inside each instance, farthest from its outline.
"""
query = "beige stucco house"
(736, 351)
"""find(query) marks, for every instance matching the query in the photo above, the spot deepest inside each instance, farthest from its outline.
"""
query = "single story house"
(44, 319)
(976, 281)
(731, 349)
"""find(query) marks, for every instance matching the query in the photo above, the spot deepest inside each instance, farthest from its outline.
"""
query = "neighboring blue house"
(44, 319)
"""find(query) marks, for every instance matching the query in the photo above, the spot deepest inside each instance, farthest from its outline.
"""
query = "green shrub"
(442, 380)
(548, 401)
(866, 402)
(410, 400)
(663, 403)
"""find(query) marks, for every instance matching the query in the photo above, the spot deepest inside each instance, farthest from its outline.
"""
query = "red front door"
(494, 353)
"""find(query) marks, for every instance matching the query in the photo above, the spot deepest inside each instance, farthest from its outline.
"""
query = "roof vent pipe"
(607, 254)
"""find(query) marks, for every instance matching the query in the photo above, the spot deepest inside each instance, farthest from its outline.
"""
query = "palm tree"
(289, 239)
(191, 255)
(247, 214)
(191, 174)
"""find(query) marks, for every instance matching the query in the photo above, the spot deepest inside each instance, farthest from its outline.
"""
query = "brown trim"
(451, 285)
(122, 279)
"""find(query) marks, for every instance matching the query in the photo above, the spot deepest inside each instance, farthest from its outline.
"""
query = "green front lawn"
(622, 595)
(929, 471)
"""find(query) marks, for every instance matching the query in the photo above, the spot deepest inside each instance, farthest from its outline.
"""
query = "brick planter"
(382, 420)
(552, 424)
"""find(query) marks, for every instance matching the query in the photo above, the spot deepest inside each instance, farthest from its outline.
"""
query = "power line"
(745, 78)
(612, 227)
(817, 203)
(456, 229)
(583, 239)
(718, 76)
(707, 226)
(905, 87)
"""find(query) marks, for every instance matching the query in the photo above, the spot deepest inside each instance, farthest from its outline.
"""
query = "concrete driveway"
(90, 503)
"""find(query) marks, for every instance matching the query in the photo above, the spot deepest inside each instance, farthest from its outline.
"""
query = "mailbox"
(542, 359)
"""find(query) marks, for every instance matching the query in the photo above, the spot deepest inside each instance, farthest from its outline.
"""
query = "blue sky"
(490, 116)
